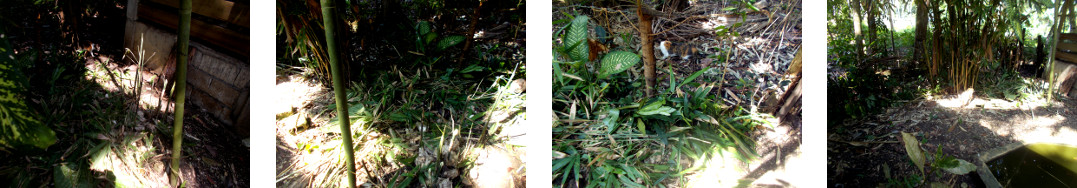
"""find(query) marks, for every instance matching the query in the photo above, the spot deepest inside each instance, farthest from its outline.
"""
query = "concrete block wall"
(220, 84)
(217, 81)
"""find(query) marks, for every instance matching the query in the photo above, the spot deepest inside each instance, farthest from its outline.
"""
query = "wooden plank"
(1065, 57)
(231, 12)
(212, 34)
(1067, 46)
(1068, 36)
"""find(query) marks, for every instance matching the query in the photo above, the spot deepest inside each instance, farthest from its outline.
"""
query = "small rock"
(424, 157)
(444, 183)
(451, 173)
(518, 86)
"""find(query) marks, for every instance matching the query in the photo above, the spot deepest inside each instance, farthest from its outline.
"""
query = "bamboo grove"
(954, 39)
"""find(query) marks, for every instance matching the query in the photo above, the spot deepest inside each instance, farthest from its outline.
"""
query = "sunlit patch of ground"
(132, 156)
(134, 163)
(309, 152)
(113, 77)
(778, 164)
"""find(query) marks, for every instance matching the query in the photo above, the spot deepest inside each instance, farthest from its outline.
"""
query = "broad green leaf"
(617, 62)
(450, 41)
(19, 126)
(577, 35)
(429, 37)
(963, 167)
(912, 147)
(423, 27)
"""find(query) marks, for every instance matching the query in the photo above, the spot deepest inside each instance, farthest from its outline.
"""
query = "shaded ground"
(84, 89)
(860, 153)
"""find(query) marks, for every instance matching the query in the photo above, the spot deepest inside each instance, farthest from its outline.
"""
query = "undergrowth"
(418, 116)
(91, 125)
(607, 133)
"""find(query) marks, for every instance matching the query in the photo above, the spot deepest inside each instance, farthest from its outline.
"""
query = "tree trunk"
(921, 31)
(893, 47)
(329, 21)
(648, 48)
(855, 4)
(181, 88)
(872, 16)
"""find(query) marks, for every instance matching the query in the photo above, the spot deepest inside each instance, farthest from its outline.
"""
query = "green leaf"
(693, 76)
(423, 27)
(641, 127)
(610, 120)
(577, 35)
(19, 126)
(429, 37)
(472, 68)
(963, 167)
(617, 62)
(912, 147)
(449, 41)
(656, 108)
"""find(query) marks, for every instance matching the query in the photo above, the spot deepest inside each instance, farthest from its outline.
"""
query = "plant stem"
(181, 86)
(647, 50)
(328, 18)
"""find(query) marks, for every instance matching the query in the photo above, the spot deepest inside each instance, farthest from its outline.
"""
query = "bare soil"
(859, 153)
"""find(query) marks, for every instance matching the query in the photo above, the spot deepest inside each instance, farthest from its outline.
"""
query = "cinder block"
(198, 78)
(243, 77)
(223, 92)
(214, 107)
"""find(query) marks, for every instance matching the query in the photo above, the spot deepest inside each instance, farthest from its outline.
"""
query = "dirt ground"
(860, 154)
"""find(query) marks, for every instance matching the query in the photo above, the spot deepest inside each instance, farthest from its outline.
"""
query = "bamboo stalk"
(1055, 32)
(329, 20)
(181, 87)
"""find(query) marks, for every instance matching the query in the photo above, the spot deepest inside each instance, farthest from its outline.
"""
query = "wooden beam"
(231, 12)
(1067, 46)
(212, 34)
(1065, 57)
(1069, 36)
